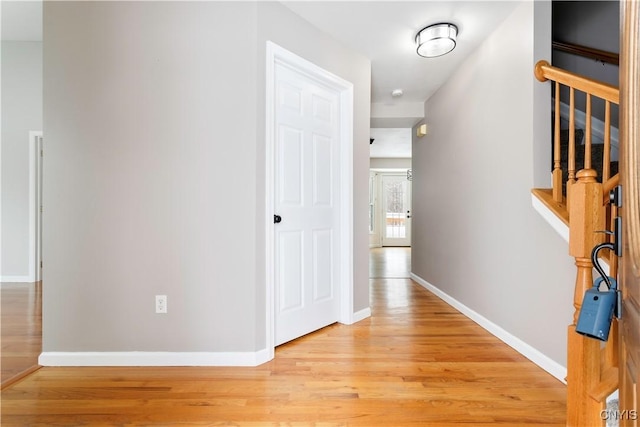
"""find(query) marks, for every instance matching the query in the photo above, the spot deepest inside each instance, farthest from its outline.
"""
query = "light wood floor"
(390, 263)
(21, 330)
(415, 362)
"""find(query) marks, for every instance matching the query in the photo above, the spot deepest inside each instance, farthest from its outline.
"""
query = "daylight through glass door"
(396, 196)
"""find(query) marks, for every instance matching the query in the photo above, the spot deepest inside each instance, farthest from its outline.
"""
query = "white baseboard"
(153, 358)
(362, 314)
(159, 358)
(552, 219)
(18, 279)
(549, 365)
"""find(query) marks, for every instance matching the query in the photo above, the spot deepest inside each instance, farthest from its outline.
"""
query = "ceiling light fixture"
(397, 93)
(436, 40)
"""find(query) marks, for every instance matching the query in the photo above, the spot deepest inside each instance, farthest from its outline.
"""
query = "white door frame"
(35, 203)
(382, 208)
(277, 54)
(376, 237)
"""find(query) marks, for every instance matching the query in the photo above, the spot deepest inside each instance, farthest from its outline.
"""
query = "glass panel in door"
(396, 205)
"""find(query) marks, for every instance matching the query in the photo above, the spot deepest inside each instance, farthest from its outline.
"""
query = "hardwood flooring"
(21, 330)
(415, 362)
(390, 263)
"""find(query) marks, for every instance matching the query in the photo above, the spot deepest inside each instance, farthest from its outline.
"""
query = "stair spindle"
(557, 156)
(587, 141)
(606, 162)
(572, 145)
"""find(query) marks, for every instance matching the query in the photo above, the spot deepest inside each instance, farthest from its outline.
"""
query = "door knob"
(277, 219)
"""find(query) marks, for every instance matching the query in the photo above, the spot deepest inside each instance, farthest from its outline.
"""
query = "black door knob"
(277, 219)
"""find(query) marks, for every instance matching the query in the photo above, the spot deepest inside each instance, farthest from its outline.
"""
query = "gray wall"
(155, 169)
(21, 113)
(594, 24)
(475, 234)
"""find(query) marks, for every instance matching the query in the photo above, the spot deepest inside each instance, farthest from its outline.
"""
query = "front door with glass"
(396, 210)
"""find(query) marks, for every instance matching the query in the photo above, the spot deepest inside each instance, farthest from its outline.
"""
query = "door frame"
(375, 237)
(382, 217)
(35, 203)
(277, 54)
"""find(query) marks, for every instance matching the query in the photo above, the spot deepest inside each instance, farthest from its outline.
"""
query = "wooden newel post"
(583, 354)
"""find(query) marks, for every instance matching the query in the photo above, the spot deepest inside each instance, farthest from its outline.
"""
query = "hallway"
(390, 263)
(415, 361)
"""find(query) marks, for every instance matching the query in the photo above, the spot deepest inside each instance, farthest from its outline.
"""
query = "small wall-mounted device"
(599, 307)
(597, 310)
(421, 131)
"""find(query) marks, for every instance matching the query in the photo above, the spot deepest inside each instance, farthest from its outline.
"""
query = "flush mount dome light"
(436, 40)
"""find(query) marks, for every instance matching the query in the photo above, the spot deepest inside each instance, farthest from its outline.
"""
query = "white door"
(306, 188)
(396, 210)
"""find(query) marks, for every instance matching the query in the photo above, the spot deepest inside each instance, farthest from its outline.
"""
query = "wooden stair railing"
(592, 366)
(592, 88)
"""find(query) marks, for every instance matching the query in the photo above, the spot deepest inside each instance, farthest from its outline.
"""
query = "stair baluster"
(572, 146)
(606, 162)
(587, 141)
(557, 169)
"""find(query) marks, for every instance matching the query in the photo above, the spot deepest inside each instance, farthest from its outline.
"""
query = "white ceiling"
(21, 20)
(390, 142)
(383, 31)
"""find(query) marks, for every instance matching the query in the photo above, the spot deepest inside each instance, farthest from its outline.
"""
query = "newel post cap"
(587, 175)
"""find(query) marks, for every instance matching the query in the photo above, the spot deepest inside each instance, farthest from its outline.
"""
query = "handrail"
(545, 71)
(587, 52)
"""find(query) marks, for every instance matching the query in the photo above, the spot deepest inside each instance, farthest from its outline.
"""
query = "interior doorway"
(390, 208)
(395, 210)
(309, 250)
